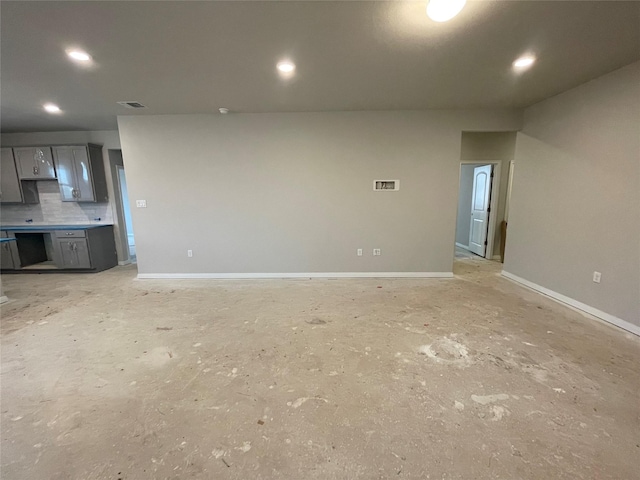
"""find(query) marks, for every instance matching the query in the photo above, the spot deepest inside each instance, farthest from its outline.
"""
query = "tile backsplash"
(52, 211)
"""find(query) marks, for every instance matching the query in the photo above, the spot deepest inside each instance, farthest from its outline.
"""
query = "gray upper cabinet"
(81, 175)
(34, 163)
(12, 190)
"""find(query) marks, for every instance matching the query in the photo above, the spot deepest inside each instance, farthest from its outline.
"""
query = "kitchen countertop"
(39, 228)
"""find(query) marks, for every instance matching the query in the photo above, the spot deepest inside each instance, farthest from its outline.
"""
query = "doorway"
(123, 226)
(477, 209)
(126, 211)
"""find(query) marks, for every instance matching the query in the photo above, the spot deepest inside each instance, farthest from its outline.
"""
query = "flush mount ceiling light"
(51, 108)
(286, 67)
(444, 10)
(223, 110)
(79, 56)
(524, 62)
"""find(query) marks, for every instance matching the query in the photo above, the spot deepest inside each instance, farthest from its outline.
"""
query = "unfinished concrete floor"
(108, 377)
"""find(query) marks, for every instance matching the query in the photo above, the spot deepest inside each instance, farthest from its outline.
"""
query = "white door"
(480, 209)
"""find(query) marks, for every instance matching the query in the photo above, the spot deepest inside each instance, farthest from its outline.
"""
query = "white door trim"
(509, 187)
(495, 196)
(119, 171)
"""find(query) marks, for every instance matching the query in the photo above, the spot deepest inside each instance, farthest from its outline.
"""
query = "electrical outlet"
(596, 277)
(141, 203)
(359, 252)
(376, 252)
(189, 253)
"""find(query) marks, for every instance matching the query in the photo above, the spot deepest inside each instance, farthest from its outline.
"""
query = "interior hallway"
(105, 376)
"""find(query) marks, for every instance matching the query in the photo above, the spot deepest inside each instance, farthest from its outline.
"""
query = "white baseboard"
(466, 247)
(575, 304)
(299, 275)
(4, 299)
(124, 262)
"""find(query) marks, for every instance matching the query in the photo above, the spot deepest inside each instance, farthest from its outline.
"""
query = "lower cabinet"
(74, 253)
(42, 249)
(6, 256)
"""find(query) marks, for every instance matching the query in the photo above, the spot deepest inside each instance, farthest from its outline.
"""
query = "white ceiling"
(193, 57)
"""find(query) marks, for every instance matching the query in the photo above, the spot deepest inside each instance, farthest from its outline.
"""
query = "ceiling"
(193, 57)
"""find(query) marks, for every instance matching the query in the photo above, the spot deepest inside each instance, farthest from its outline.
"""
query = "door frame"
(119, 171)
(125, 247)
(493, 203)
(507, 200)
(115, 160)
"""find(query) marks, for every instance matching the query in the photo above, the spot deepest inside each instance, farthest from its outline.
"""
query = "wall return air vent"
(131, 104)
(386, 185)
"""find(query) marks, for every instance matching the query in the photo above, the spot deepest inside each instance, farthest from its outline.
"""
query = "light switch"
(141, 203)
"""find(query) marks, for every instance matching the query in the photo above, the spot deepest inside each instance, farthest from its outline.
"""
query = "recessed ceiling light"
(524, 62)
(51, 108)
(444, 10)
(79, 55)
(286, 67)
(223, 110)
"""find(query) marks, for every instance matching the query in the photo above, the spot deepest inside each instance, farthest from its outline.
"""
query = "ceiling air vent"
(131, 104)
(386, 185)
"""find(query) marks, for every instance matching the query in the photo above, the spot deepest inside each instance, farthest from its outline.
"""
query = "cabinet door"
(84, 178)
(6, 259)
(10, 191)
(75, 178)
(34, 163)
(66, 173)
(75, 253)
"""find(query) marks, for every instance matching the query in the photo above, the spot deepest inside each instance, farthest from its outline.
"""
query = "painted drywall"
(463, 220)
(51, 210)
(575, 203)
(485, 146)
(491, 146)
(292, 192)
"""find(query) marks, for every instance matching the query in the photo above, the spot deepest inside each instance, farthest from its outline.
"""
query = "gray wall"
(575, 204)
(51, 210)
(287, 193)
(490, 146)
